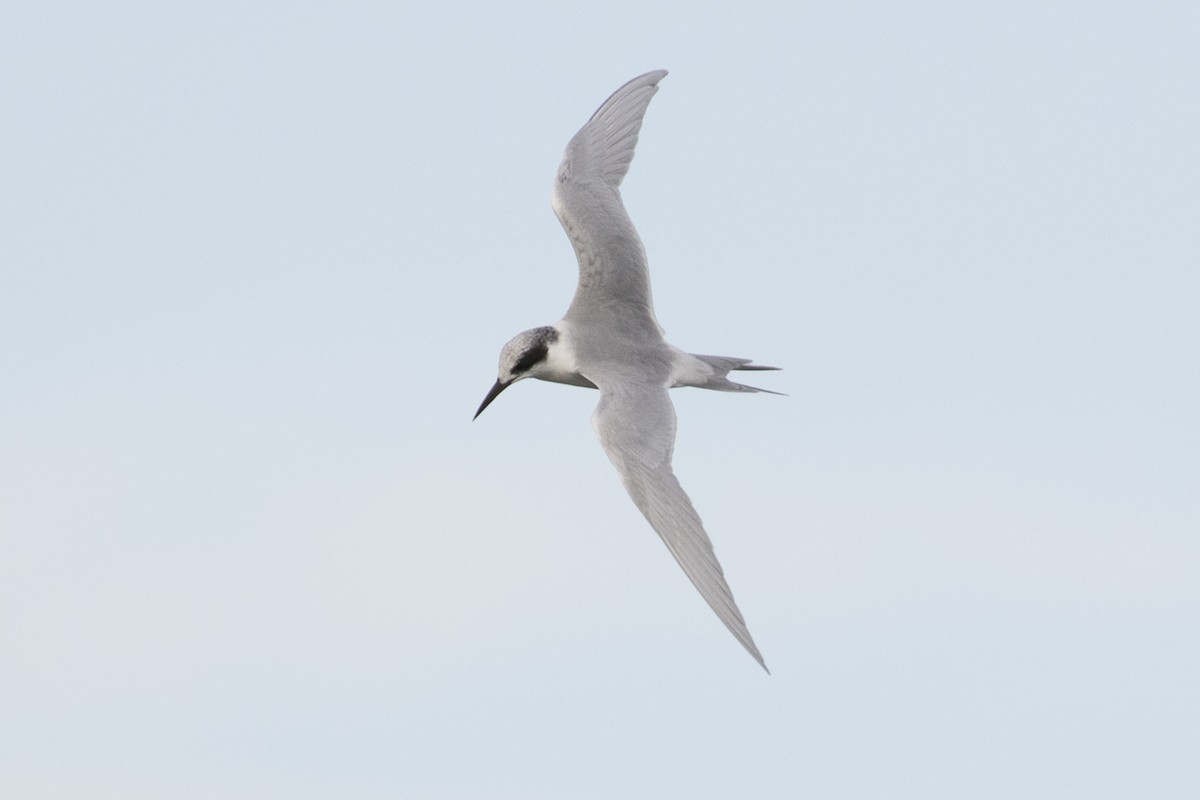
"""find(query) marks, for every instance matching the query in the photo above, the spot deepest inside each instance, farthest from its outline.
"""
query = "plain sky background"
(257, 261)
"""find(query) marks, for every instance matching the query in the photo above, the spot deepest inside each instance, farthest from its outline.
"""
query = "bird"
(610, 340)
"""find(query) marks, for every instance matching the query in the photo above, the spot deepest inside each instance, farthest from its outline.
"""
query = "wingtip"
(653, 76)
(753, 649)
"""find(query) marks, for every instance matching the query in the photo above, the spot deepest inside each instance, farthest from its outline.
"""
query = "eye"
(530, 358)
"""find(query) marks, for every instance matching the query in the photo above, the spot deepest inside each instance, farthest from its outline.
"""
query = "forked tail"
(723, 365)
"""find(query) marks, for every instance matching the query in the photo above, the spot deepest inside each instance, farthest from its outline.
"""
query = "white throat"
(561, 364)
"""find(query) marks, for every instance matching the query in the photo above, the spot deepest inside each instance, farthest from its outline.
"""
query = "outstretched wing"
(636, 426)
(614, 280)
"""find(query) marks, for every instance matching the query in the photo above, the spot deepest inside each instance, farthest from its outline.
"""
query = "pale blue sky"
(256, 265)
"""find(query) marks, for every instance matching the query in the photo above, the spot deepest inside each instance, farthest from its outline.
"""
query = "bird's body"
(610, 340)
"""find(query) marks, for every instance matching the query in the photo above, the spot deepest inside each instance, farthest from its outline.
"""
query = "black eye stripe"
(538, 349)
(531, 358)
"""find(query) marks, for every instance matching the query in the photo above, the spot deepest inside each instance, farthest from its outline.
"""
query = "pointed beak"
(492, 394)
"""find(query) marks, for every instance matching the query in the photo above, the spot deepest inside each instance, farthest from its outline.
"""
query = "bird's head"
(521, 357)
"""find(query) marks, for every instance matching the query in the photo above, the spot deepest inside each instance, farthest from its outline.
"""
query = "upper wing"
(636, 426)
(613, 274)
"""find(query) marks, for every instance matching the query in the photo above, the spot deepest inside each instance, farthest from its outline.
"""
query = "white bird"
(610, 340)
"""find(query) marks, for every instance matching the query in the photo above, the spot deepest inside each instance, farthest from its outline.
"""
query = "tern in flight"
(610, 340)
